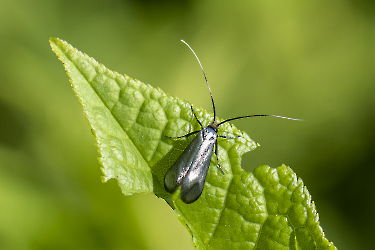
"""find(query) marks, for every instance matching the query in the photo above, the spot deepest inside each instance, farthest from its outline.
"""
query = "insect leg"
(196, 118)
(217, 157)
(187, 135)
(227, 137)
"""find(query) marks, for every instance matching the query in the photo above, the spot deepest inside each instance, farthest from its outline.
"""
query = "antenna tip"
(288, 118)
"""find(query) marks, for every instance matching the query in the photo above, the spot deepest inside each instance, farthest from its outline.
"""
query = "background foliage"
(306, 60)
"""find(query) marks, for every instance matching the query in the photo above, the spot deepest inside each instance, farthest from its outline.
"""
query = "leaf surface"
(267, 209)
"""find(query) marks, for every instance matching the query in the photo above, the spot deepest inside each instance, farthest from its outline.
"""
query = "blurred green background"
(313, 60)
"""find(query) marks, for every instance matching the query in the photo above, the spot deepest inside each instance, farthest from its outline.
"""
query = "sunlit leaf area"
(312, 61)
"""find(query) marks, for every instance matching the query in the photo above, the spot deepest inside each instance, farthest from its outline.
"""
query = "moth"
(190, 169)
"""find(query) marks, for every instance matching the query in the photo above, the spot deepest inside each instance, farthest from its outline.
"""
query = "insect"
(190, 169)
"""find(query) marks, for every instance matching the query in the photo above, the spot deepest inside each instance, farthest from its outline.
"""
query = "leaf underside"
(267, 209)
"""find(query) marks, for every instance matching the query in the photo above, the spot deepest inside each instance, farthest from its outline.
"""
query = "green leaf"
(267, 209)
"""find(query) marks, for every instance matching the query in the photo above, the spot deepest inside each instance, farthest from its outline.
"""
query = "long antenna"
(247, 116)
(213, 103)
(212, 99)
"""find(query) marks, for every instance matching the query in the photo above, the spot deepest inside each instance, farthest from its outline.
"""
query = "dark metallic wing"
(193, 183)
(178, 171)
